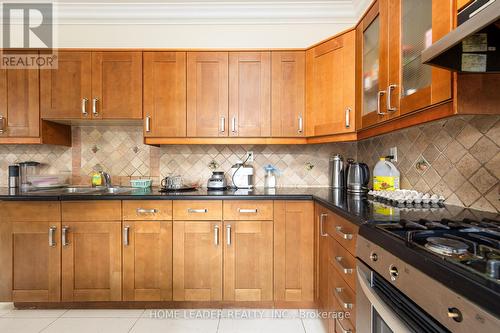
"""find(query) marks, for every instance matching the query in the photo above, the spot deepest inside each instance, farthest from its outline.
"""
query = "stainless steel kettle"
(358, 177)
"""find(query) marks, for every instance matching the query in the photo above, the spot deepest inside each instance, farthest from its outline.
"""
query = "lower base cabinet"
(197, 261)
(91, 261)
(147, 260)
(248, 261)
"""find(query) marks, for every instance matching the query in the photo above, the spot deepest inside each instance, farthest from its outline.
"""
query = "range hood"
(473, 47)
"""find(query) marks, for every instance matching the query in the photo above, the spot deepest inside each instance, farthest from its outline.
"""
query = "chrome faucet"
(107, 179)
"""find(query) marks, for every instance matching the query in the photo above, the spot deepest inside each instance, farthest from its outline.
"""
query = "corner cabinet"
(390, 38)
(330, 86)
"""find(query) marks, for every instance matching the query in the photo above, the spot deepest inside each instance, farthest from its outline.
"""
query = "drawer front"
(344, 263)
(25, 211)
(342, 230)
(202, 210)
(95, 210)
(248, 210)
(147, 210)
(344, 300)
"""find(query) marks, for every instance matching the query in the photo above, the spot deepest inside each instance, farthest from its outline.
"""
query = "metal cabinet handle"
(321, 219)
(146, 211)
(84, 106)
(125, 235)
(94, 106)
(242, 210)
(191, 210)
(228, 234)
(390, 108)
(342, 329)
(347, 117)
(379, 97)
(222, 124)
(216, 235)
(64, 235)
(301, 124)
(345, 304)
(340, 263)
(233, 125)
(343, 234)
(52, 236)
(2, 124)
(148, 124)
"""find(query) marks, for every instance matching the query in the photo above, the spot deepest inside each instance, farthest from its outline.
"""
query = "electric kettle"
(358, 177)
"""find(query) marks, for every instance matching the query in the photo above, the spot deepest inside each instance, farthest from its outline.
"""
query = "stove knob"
(455, 314)
(393, 272)
(373, 256)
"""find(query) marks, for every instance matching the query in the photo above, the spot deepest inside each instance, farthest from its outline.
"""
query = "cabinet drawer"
(189, 210)
(342, 230)
(23, 211)
(82, 211)
(248, 210)
(344, 300)
(147, 210)
(344, 263)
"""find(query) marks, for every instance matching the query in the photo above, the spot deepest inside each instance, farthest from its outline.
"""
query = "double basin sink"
(88, 190)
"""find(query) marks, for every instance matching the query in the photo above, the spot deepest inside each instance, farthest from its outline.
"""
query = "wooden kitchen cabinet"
(165, 94)
(391, 37)
(330, 84)
(250, 94)
(294, 251)
(288, 72)
(65, 92)
(19, 103)
(197, 261)
(93, 85)
(30, 252)
(207, 94)
(248, 261)
(147, 260)
(322, 263)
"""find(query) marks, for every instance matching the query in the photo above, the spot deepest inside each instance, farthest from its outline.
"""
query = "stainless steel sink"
(115, 190)
(79, 190)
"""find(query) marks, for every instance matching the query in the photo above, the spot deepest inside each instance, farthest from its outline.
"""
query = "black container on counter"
(13, 176)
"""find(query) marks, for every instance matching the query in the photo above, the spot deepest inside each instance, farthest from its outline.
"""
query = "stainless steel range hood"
(473, 47)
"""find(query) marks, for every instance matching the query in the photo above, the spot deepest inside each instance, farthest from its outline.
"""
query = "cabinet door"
(91, 261)
(288, 94)
(373, 48)
(331, 82)
(250, 94)
(197, 261)
(116, 85)
(147, 261)
(165, 94)
(322, 239)
(31, 257)
(248, 261)
(19, 107)
(293, 251)
(415, 25)
(207, 94)
(65, 92)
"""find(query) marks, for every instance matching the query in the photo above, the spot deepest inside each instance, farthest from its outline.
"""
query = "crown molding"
(206, 12)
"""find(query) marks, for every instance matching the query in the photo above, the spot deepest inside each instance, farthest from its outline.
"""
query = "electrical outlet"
(249, 156)
(394, 152)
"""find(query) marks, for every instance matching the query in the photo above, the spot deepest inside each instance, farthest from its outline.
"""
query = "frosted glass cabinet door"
(416, 29)
(371, 66)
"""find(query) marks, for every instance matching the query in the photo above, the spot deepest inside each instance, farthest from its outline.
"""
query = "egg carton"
(407, 197)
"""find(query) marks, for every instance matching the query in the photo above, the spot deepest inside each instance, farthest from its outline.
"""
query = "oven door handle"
(388, 315)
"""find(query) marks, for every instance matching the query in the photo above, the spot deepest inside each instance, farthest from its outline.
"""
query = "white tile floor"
(151, 321)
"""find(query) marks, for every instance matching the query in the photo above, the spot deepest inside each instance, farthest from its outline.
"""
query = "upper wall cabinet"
(288, 93)
(249, 94)
(19, 111)
(391, 37)
(93, 85)
(207, 94)
(165, 94)
(330, 86)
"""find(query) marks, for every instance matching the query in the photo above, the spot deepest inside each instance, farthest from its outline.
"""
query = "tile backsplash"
(462, 155)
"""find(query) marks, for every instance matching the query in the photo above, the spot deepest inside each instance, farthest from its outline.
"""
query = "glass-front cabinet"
(393, 35)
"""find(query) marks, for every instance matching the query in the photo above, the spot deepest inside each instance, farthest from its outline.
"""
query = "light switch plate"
(249, 156)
